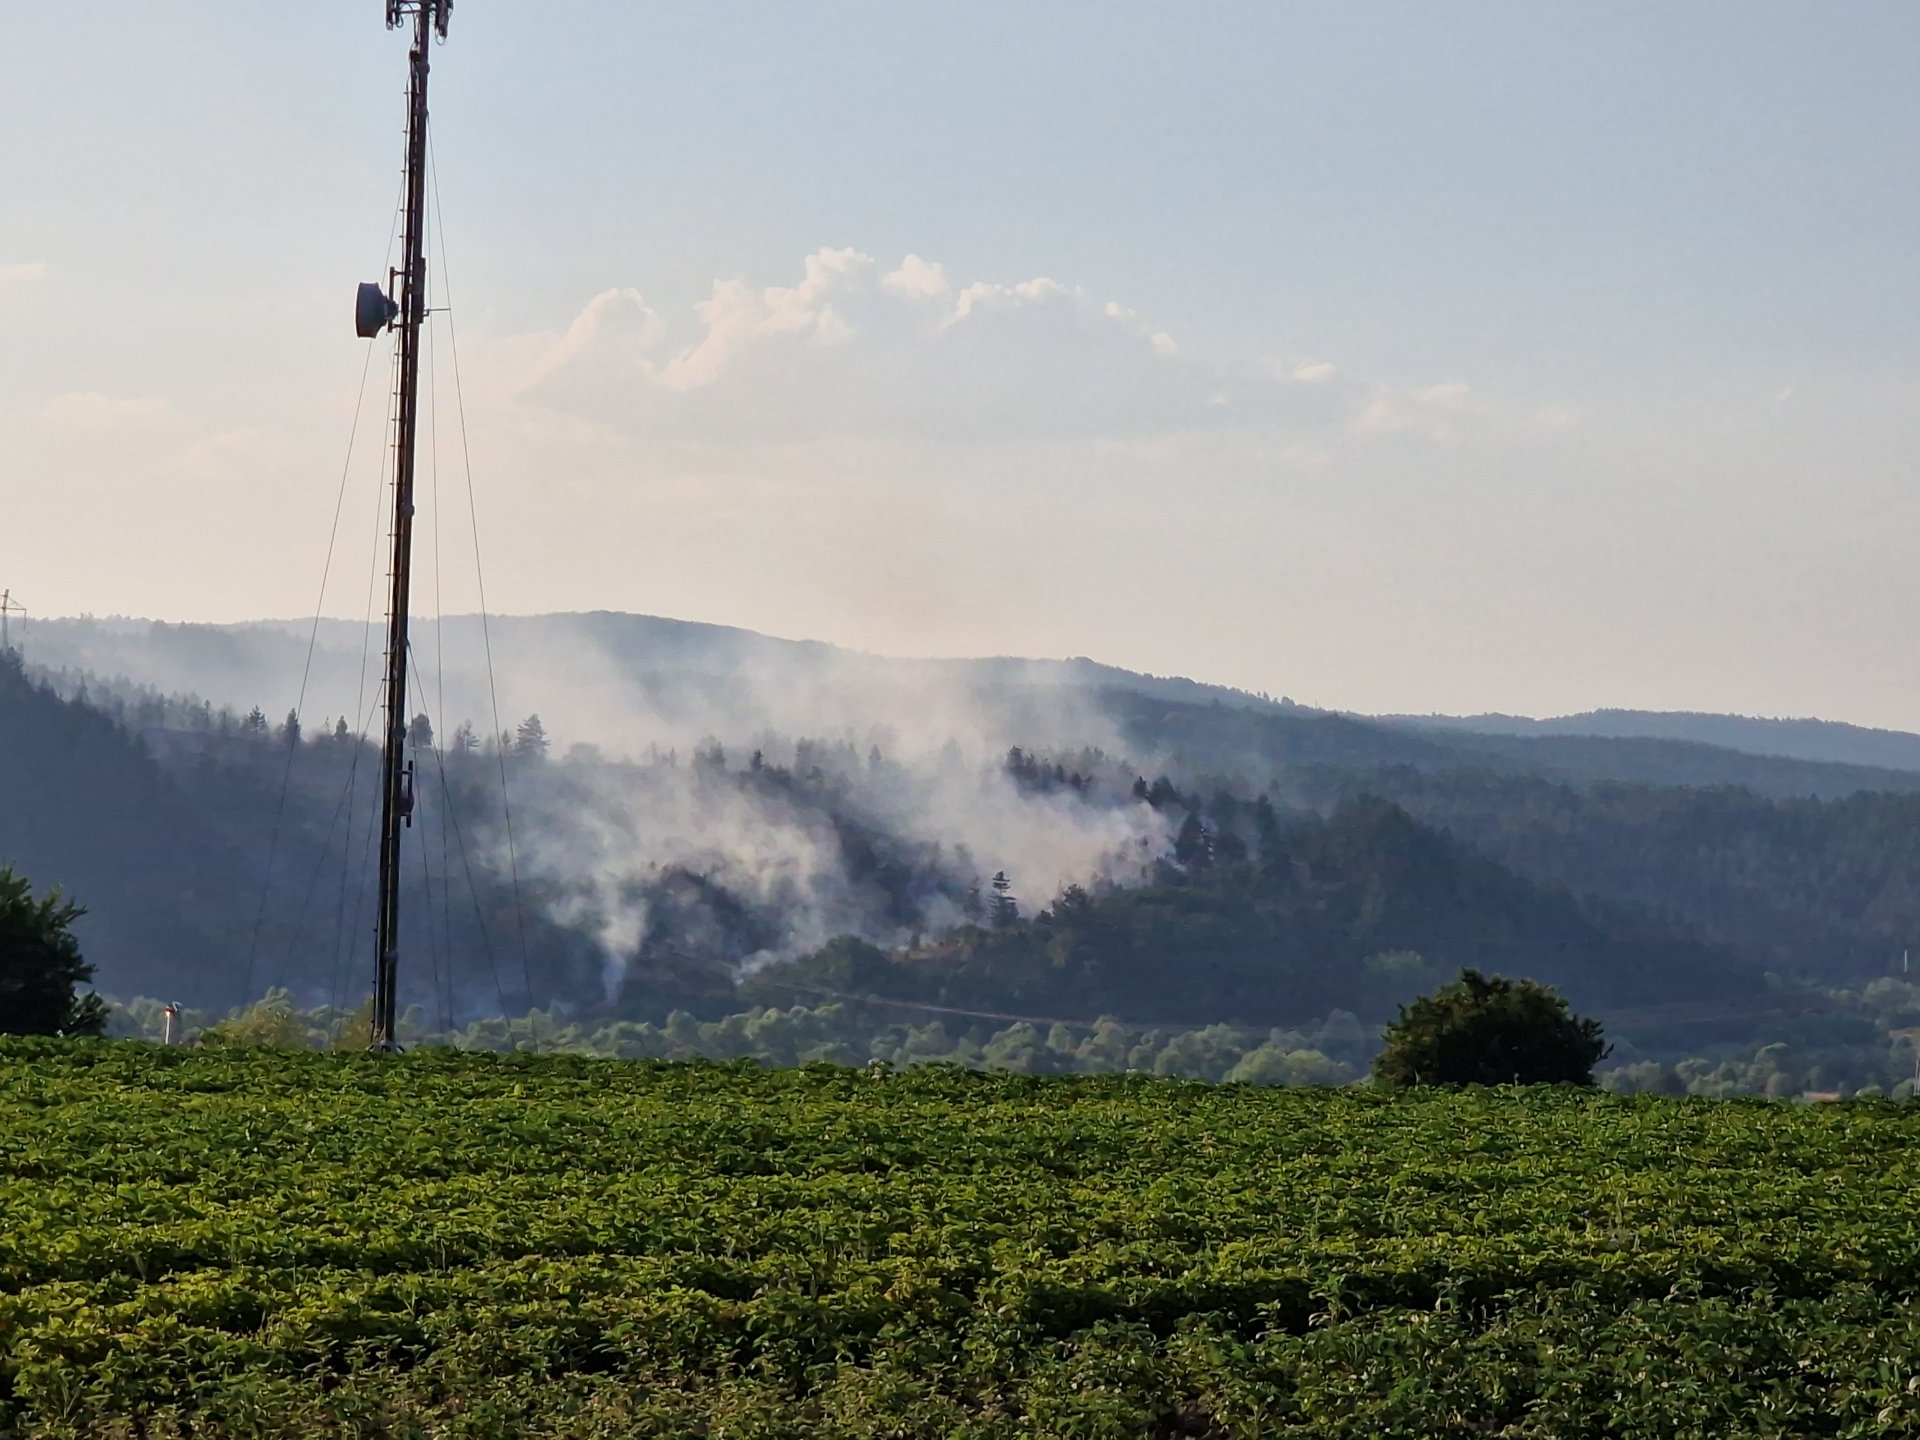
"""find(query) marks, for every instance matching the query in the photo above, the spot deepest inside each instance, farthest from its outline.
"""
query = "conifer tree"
(1003, 909)
(530, 739)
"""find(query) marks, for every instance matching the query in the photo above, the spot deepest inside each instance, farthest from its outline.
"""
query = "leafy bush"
(251, 1242)
(40, 964)
(1490, 1031)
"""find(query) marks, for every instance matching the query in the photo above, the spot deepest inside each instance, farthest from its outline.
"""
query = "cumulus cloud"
(918, 279)
(882, 369)
(856, 348)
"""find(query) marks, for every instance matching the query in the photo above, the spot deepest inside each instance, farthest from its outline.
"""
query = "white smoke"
(621, 813)
(912, 760)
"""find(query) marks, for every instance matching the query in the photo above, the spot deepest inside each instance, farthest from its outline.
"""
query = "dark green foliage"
(40, 964)
(1825, 741)
(1489, 1031)
(1268, 746)
(82, 800)
(1285, 938)
(1267, 913)
(248, 1243)
(530, 738)
(1829, 888)
(1002, 910)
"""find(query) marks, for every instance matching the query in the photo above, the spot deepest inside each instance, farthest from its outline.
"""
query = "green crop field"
(261, 1243)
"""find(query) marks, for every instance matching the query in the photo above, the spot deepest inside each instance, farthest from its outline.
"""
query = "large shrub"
(40, 964)
(1484, 1030)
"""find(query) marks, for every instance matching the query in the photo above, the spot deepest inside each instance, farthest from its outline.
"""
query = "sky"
(1528, 357)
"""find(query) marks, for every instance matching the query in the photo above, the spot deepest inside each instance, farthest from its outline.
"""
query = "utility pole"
(9, 607)
(377, 309)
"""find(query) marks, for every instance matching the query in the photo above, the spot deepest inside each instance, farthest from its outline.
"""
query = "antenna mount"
(436, 12)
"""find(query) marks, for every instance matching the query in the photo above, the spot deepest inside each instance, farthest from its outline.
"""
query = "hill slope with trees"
(1824, 741)
(1308, 864)
(688, 680)
(83, 805)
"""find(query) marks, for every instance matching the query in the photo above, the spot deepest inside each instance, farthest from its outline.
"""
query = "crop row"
(259, 1242)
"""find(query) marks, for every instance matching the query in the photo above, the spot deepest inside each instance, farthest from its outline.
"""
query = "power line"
(306, 671)
(480, 579)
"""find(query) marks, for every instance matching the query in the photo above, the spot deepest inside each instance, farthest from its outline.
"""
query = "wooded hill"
(1323, 863)
(1272, 921)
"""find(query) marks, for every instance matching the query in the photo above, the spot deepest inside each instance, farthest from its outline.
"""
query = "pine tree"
(1003, 909)
(1193, 846)
(530, 739)
(1266, 826)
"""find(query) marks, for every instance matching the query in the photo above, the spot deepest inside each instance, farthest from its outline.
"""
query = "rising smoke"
(692, 827)
(713, 796)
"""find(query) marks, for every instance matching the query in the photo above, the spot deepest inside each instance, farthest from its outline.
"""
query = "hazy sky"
(1514, 356)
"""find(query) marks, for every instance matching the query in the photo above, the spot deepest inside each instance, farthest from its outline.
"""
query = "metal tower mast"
(377, 309)
(9, 607)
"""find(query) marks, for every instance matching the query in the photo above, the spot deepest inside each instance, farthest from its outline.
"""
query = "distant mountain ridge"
(1824, 741)
(172, 841)
(635, 679)
(264, 662)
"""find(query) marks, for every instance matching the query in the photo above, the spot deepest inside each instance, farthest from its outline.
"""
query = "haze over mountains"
(707, 818)
(1803, 739)
(621, 678)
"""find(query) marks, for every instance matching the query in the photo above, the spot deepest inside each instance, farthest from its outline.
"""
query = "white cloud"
(856, 349)
(1430, 412)
(859, 352)
(917, 278)
(616, 339)
(738, 318)
(29, 273)
(983, 296)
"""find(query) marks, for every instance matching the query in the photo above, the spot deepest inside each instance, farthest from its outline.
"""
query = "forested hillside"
(1826, 741)
(1257, 865)
(84, 806)
(1269, 921)
(1827, 888)
(1266, 745)
(626, 680)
